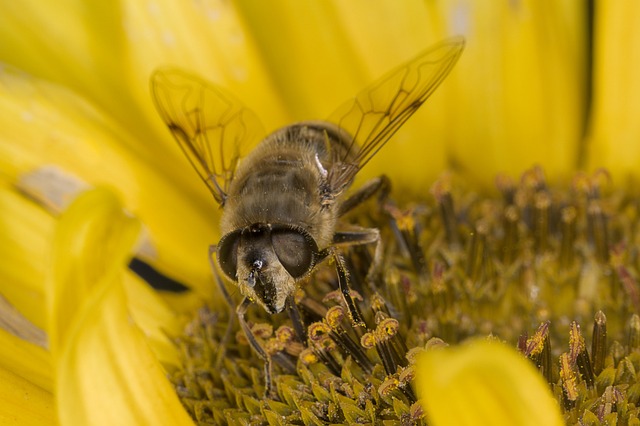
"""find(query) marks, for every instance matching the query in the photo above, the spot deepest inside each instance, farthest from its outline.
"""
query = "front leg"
(344, 285)
(380, 185)
(296, 319)
(361, 236)
(241, 310)
(345, 289)
(230, 303)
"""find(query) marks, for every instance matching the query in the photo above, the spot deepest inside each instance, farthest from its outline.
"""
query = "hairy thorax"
(280, 183)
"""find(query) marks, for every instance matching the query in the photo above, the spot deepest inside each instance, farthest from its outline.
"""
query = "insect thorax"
(282, 181)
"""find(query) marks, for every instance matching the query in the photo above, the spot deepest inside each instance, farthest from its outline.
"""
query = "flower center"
(534, 261)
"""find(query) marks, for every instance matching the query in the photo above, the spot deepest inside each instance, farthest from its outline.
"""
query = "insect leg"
(219, 280)
(296, 319)
(362, 236)
(230, 303)
(345, 289)
(241, 310)
(380, 185)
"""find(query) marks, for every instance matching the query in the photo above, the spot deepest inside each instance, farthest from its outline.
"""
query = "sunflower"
(98, 201)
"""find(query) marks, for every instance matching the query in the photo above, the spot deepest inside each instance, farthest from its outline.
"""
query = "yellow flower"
(86, 340)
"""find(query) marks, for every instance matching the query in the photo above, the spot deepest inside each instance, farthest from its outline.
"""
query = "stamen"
(568, 232)
(442, 194)
(579, 356)
(510, 240)
(542, 202)
(477, 253)
(599, 342)
(569, 381)
(597, 226)
(633, 341)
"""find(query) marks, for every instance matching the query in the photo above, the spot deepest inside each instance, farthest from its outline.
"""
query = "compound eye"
(228, 254)
(296, 251)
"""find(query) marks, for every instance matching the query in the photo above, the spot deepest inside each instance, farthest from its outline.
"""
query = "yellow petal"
(483, 383)
(323, 60)
(25, 239)
(615, 129)
(23, 403)
(27, 360)
(92, 243)
(106, 372)
(109, 51)
(209, 38)
(520, 87)
(152, 315)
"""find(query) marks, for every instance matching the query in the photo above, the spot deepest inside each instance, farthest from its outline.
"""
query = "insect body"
(280, 212)
(282, 196)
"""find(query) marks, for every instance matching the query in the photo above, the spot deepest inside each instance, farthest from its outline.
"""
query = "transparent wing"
(213, 128)
(377, 112)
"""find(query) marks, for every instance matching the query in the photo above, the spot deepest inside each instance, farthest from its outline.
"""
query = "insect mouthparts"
(256, 266)
(251, 279)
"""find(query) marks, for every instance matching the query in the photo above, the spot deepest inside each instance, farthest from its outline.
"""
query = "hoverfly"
(282, 196)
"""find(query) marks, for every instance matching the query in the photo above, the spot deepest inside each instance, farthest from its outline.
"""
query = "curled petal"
(483, 383)
(106, 372)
